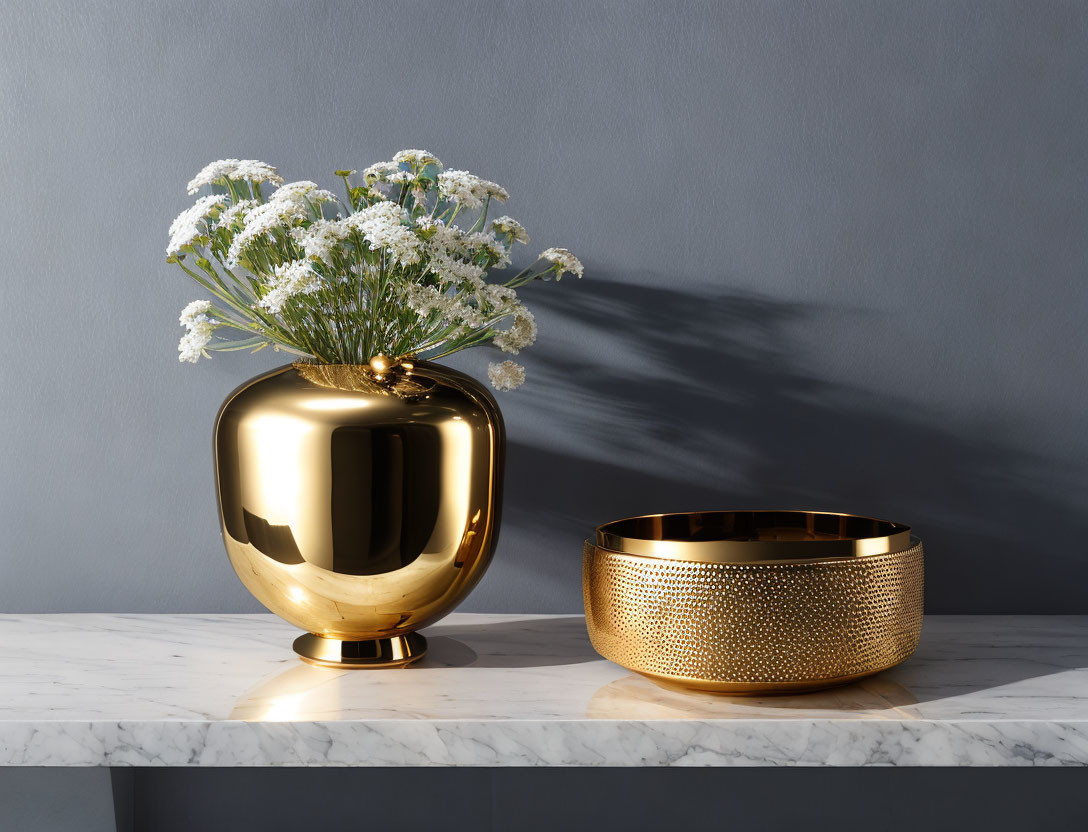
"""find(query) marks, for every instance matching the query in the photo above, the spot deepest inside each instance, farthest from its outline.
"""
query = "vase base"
(372, 653)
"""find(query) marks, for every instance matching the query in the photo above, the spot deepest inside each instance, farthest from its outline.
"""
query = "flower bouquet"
(398, 267)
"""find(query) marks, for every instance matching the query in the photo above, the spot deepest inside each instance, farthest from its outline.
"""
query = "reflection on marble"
(499, 690)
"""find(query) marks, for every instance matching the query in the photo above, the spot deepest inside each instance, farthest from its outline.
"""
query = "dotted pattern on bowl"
(767, 622)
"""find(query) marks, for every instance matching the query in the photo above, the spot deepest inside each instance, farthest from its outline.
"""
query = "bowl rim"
(805, 535)
(776, 562)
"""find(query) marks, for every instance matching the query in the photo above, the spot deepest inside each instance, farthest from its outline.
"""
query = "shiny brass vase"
(358, 505)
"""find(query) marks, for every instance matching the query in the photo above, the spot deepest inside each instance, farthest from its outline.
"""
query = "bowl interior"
(730, 536)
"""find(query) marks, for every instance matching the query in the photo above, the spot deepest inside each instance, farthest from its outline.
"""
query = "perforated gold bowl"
(749, 602)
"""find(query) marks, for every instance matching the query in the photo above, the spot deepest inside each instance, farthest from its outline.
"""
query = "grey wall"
(835, 257)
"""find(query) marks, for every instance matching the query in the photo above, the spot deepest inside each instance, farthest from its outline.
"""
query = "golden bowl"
(749, 602)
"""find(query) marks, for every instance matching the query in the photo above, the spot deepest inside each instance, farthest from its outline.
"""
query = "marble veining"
(516, 690)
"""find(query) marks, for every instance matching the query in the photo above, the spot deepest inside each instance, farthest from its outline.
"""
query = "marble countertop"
(516, 690)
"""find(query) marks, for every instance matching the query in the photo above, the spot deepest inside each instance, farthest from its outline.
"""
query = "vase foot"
(372, 653)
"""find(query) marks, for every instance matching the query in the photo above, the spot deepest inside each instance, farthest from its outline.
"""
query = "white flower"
(299, 192)
(442, 238)
(446, 244)
(211, 172)
(453, 310)
(400, 242)
(498, 302)
(417, 158)
(495, 294)
(284, 212)
(198, 330)
(511, 227)
(256, 171)
(235, 212)
(428, 301)
(521, 334)
(565, 261)
(192, 343)
(390, 173)
(191, 224)
(321, 238)
(195, 312)
(379, 170)
(485, 243)
(463, 312)
(384, 210)
(249, 169)
(451, 270)
(506, 376)
(494, 190)
(290, 279)
(467, 189)
(425, 300)
(382, 224)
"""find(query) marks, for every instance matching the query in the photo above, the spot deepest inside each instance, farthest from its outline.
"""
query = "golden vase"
(360, 504)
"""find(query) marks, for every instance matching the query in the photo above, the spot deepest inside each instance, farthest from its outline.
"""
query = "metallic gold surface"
(383, 652)
(754, 626)
(741, 536)
(360, 506)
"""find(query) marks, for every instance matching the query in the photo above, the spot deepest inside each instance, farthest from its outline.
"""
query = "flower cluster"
(198, 330)
(399, 267)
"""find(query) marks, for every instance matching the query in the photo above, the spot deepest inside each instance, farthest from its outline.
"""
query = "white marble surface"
(505, 690)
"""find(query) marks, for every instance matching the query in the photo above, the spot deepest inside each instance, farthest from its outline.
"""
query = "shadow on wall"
(719, 412)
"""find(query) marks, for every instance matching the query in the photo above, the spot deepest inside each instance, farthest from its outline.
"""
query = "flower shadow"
(719, 408)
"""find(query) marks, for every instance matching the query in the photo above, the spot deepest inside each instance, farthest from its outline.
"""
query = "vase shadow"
(723, 410)
(522, 643)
